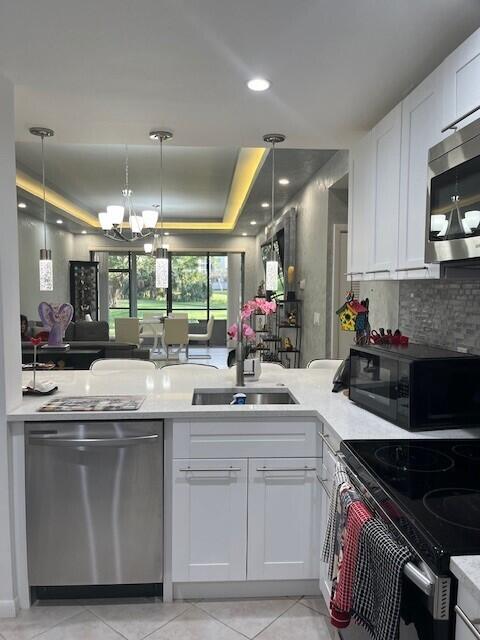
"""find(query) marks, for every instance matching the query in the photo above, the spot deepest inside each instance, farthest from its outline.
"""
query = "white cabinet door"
(384, 223)
(209, 520)
(283, 519)
(325, 584)
(421, 118)
(461, 82)
(360, 200)
(463, 632)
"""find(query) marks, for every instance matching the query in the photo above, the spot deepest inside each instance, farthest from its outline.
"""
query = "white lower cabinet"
(468, 615)
(325, 584)
(283, 519)
(209, 520)
(245, 519)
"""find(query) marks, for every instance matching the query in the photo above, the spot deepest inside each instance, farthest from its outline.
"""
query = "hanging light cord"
(273, 197)
(161, 192)
(44, 195)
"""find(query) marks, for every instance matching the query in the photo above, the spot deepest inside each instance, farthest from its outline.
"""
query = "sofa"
(84, 335)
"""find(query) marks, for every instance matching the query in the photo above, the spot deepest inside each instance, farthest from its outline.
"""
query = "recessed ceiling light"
(84, 232)
(258, 84)
(166, 233)
(284, 181)
(253, 222)
(265, 205)
(244, 233)
(59, 221)
(22, 205)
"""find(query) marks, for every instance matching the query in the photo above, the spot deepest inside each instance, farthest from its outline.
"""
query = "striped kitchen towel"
(328, 553)
(377, 589)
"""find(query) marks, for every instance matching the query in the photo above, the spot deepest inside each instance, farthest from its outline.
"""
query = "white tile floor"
(262, 619)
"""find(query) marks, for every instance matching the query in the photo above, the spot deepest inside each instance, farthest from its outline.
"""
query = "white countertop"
(168, 394)
(467, 570)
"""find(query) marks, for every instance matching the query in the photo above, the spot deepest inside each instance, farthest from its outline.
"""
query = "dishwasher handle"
(92, 442)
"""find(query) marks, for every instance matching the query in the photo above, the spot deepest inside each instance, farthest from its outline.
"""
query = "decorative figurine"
(56, 317)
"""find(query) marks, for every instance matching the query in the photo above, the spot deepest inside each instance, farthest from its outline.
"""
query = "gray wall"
(318, 208)
(384, 300)
(30, 237)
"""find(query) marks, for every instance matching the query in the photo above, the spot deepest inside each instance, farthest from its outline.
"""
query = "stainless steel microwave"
(453, 203)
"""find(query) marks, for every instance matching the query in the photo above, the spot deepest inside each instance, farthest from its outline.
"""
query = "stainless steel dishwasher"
(94, 502)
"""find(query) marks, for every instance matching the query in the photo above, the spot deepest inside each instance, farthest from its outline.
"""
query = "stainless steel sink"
(254, 396)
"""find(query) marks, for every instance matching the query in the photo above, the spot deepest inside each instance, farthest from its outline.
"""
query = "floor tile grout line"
(304, 604)
(106, 623)
(74, 615)
(221, 622)
(168, 622)
(278, 617)
(270, 623)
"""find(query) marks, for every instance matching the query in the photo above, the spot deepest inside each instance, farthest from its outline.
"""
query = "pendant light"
(45, 265)
(161, 254)
(271, 266)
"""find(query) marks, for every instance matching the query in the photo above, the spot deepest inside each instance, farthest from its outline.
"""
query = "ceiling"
(298, 166)
(107, 72)
(197, 181)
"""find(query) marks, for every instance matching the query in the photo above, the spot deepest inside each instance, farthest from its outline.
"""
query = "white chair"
(121, 364)
(127, 330)
(175, 334)
(189, 366)
(319, 363)
(203, 337)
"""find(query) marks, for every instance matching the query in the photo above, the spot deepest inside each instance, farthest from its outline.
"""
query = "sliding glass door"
(198, 286)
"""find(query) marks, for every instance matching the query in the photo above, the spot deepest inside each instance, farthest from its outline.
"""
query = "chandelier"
(130, 227)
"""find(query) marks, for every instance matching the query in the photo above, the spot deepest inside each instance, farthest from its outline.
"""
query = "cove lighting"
(258, 84)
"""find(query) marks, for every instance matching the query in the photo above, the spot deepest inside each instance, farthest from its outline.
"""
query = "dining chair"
(319, 363)
(127, 330)
(178, 315)
(189, 366)
(121, 364)
(175, 334)
(203, 337)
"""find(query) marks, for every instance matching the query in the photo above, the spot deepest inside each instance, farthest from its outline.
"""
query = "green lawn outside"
(196, 310)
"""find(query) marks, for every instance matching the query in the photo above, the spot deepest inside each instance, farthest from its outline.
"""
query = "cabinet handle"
(268, 469)
(206, 469)
(325, 488)
(379, 271)
(453, 125)
(468, 623)
(412, 269)
(324, 437)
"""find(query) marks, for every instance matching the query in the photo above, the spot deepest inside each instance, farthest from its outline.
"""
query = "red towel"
(341, 604)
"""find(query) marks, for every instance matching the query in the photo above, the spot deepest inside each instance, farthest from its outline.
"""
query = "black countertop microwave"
(417, 387)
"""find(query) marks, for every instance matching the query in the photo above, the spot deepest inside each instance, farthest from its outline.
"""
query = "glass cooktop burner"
(458, 506)
(412, 458)
(470, 451)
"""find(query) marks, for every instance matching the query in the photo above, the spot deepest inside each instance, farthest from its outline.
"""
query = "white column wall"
(10, 369)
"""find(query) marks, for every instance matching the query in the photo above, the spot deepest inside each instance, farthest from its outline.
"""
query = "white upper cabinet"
(360, 188)
(283, 519)
(421, 124)
(386, 192)
(461, 82)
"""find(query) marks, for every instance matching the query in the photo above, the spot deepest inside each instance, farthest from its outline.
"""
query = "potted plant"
(256, 306)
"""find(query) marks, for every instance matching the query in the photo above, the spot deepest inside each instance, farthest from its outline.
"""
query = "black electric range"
(428, 489)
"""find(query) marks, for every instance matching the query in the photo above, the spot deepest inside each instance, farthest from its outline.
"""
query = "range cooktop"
(430, 490)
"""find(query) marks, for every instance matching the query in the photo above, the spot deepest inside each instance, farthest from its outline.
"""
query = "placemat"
(93, 403)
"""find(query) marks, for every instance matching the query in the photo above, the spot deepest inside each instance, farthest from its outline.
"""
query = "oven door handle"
(419, 578)
(467, 622)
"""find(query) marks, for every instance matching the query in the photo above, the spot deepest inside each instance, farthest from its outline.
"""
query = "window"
(149, 298)
(198, 286)
(118, 288)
